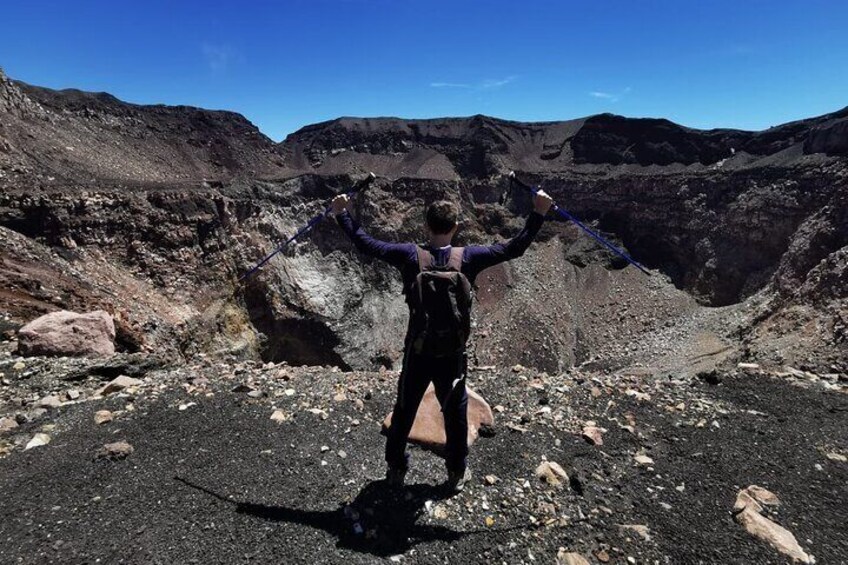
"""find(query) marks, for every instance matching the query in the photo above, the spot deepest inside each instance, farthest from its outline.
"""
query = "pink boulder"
(428, 430)
(69, 334)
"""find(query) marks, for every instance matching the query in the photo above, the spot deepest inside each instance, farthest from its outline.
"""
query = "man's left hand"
(542, 202)
(340, 204)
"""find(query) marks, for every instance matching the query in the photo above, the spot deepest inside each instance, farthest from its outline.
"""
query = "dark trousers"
(417, 373)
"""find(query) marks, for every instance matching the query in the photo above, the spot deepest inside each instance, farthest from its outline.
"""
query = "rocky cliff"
(152, 212)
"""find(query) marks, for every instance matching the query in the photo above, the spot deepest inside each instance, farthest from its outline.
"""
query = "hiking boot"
(396, 475)
(457, 480)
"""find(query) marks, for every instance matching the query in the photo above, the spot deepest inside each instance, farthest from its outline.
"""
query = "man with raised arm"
(437, 279)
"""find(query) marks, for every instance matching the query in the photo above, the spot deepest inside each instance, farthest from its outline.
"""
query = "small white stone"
(643, 460)
(37, 441)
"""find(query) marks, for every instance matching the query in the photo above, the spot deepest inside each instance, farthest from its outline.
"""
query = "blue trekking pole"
(567, 216)
(356, 188)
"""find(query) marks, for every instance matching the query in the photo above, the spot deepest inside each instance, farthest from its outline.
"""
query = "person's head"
(442, 218)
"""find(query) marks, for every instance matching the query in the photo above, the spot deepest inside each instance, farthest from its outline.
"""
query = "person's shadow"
(381, 520)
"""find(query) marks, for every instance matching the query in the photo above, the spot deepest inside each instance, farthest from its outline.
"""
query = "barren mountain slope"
(157, 210)
(49, 136)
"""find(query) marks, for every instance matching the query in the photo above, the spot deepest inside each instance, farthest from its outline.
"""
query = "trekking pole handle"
(529, 188)
(524, 185)
(360, 185)
(597, 237)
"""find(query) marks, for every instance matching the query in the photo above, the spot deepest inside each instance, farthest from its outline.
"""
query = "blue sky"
(745, 63)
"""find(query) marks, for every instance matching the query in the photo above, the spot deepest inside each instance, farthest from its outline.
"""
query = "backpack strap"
(425, 259)
(455, 260)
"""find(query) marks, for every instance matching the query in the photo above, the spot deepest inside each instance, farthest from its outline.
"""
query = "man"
(419, 368)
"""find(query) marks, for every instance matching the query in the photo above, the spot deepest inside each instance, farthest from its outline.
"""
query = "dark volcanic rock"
(615, 140)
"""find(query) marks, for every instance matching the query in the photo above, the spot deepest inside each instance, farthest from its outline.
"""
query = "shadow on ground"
(380, 521)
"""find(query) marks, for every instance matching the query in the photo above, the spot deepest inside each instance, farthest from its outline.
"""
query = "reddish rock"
(594, 435)
(118, 384)
(552, 473)
(69, 334)
(115, 451)
(7, 424)
(428, 431)
(775, 535)
(103, 416)
(749, 504)
(570, 558)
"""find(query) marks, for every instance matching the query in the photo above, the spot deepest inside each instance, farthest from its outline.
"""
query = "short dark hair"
(442, 216)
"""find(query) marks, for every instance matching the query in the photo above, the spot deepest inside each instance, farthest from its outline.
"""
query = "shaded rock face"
(68, 334)
(154, 219)
(617, 140)
(813, 266)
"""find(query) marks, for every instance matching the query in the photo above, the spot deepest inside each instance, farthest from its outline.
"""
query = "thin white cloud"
(491, 83)
(612, 97)
(218, 57)
(488, 84)
(449, 85)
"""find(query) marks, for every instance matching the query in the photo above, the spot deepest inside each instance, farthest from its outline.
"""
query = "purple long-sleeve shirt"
(475, 258)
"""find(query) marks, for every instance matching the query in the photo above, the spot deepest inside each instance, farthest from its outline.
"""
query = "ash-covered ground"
(240, 462)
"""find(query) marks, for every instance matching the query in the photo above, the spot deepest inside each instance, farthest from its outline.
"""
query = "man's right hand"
(339, 204)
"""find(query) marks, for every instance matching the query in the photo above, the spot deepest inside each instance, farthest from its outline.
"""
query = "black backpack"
(440, 300)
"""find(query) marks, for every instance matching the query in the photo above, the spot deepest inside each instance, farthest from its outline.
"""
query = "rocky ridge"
(750, 221)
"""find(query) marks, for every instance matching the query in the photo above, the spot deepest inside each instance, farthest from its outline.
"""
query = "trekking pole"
(362, 184)
(566, 215)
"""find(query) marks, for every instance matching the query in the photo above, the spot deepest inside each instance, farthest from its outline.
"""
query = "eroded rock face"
(69, 334)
